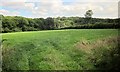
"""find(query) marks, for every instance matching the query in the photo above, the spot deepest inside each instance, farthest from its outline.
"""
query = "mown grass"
(56, 49)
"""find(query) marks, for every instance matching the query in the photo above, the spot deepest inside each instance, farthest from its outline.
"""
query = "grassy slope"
(50, 49)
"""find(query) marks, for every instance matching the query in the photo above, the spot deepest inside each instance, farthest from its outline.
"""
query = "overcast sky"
(55, 8)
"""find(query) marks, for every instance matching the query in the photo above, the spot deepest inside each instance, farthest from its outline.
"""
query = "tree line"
(18, 23)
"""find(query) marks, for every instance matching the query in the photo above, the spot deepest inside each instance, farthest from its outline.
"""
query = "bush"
(17, 30)
(107, 58)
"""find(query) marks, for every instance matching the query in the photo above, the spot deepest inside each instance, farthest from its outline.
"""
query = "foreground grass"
(57, 49)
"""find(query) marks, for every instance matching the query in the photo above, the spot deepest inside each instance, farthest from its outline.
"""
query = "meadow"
(74, 49)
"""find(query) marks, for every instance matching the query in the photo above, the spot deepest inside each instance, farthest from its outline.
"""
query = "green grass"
(53, 49)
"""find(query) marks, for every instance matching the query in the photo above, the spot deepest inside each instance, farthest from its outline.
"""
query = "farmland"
(75, 49)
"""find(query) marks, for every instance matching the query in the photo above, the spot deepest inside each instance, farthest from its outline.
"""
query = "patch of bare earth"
(86, 45)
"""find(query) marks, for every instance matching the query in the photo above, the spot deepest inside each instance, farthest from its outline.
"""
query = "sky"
(56, 8)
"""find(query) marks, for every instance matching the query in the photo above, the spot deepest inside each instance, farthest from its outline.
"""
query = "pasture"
(75, 49)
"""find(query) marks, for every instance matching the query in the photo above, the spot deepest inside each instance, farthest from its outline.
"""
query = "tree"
(39, 23)
(49, 22)
(18, 23)
(88, 16)
(23, 23)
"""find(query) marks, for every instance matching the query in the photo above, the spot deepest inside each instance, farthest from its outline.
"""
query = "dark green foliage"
(17, 23)
(94, 26)
(49, 22)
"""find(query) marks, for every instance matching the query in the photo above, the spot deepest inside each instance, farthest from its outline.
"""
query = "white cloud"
(13, 1)
(18, 5)
(63, 0)
(44, 8)
(48, 7)
(8, 13)
(96, 0)
(100, 9)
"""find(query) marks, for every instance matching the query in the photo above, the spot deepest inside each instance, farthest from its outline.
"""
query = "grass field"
(82, 49)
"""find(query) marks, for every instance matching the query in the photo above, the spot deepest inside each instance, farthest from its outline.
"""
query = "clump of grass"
(107, 56)
(102, 53)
